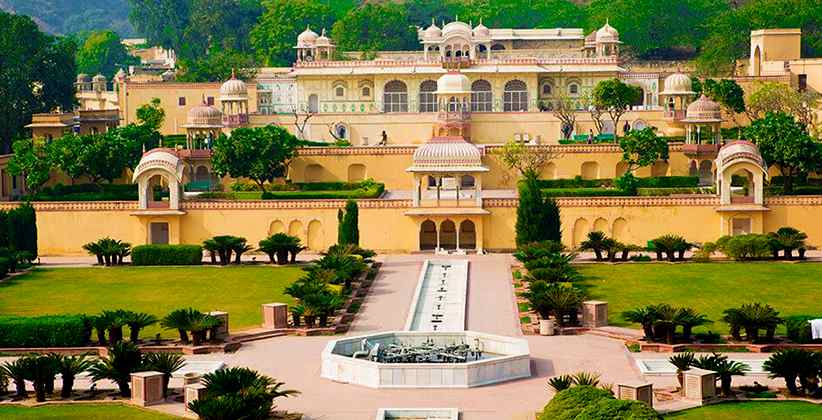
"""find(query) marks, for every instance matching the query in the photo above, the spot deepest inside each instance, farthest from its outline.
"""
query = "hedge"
(799, 329)
(568, 403)
(607, 409)
(167, 255)
(648, 182)
(18, 229)
(45, 331)
(583, 192)
(649, 192)
(4, 267)
(92, 192)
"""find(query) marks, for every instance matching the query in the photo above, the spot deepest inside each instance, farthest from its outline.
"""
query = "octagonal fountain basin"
(418, 414)
(426, 359)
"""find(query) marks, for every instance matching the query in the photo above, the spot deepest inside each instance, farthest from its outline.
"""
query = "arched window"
(481, 48)
(546, 89)
(573, 89)
(395, 98)
(339, 91)
(481, 96)
(366, 91)
(498, 47)
(516, 96)
(313, 103)
(428, 99)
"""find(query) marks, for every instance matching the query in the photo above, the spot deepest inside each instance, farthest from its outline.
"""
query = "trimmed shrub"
(799, 329)
(22, 229)
(45, 331)
(610, 409)
(583, 192)
(649, 182)
(668, 182)
(567, 404)
(167, 255)
(745, 247)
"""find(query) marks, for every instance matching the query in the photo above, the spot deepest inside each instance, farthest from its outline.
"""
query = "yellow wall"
(64, 227)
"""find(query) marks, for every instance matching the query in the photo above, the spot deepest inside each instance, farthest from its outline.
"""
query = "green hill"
(70, 16)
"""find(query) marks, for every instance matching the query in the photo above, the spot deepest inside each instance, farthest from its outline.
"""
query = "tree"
(238, 393)
(666, 29)
(779, 97)
(69, 367)
(31, 159)
(31, 58)
(375, 27)
(537, 216)
(349, 231)
(162, 22)
(221, 24)
(616, 97)
(565, 109)
(123, 359)
(785, 143)
(151, 115)
(216, 66)
(260, 154)
(102, 52)
(642, 148)
(509, 14)
(727, 93)
(275, 34)
(528, 160)
(729, 31)
(165, 363)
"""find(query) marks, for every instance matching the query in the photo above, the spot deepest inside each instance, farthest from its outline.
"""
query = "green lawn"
(157, 290)
(793, 289)
(80, 412)
(761, 410)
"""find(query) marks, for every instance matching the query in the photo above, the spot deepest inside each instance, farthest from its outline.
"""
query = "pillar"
(439, 228)
(594, 313)
(415, 193)
(637, 391)
(147, 388)
(222, 331)
(479, 234)
(275, 315)
(478, 189)
(699, 384)
(457, 230)
(193, 392)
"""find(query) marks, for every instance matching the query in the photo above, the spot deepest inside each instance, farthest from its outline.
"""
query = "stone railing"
(357, 150)
(76, 205)
(290, 204)
(708, 200)
(794, 200)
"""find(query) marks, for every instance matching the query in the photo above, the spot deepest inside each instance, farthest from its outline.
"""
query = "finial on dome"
(233, 73)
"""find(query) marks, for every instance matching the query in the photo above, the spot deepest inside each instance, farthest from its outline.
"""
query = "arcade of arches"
(311, 233)
(450, 234)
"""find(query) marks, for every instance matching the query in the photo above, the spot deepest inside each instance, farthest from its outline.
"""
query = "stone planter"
(546, 327)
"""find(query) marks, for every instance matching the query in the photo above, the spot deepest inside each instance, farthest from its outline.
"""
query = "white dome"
(82, 78)
(703, 110)
(457, 29)
(677, 84)
(233, 89)
(453, 83)
(482, 31)
(447, 154)
(432, 32)
(159, 159)
(98, 78)
(740, 151)
(307, 38)
(322, 40)
(204, 116)
(607, 33)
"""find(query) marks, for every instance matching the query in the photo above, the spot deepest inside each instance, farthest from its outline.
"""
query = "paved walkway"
(491, 308)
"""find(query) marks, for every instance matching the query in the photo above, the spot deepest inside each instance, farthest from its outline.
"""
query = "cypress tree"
(341, 232)
(21, 228)
(537, 216)
(352, 223)
(4, 229)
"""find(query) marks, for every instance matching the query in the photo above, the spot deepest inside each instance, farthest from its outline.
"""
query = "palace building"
(430, 124)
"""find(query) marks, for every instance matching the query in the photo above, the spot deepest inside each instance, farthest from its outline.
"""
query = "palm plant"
(201, 325)
(94, 248)
(755, 316)
(238, 393)
(212, 247)
(17, 371)
(645, 316)
(279, 245)
(564, 300)
(314, 281)
(136, 321)
(793, 364)
(325, 303)
(4, 382)
(69, 367)
(344, 265)
(671, 245)
(561, 382)
(725, 369)
(116, 321)
(123, 359)
(297, 313)
(240, 247)
(180, 320)
(666, 321)
(534, 250)
(597, 242)
(688, 318)
(100, 324)
(165, 363)
(39, 370)
(553, 268)
(734, 318)
(224, 246)
(682, 362)
(788, 239)
(586, 378)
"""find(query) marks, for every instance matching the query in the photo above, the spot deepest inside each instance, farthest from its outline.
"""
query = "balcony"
(454, 116)
(675, 115)
(235, 120)
(700, 151)
(456, 63)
